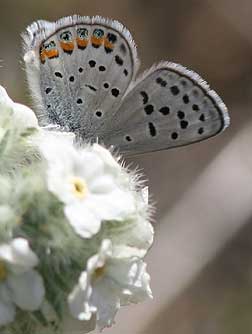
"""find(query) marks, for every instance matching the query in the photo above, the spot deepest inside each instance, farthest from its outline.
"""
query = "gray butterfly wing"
(78, 69)
(169, 106)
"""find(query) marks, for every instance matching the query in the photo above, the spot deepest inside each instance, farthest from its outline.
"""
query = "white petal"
(78, 301)
(106, 298)
(90, 165)
(27, 290)
(117, 205)
(102, 184)
(24, 116)
(107, 157)
(96, 261)
(99, 260)
(136, 233)
(103, 296)
(131, 276)
(60, 155)
(57, 148)
(83, 221)
(65, 162)
(106, 248)
(123, 251)
(18, 255)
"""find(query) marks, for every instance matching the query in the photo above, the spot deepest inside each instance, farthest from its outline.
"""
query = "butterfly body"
(82, 72)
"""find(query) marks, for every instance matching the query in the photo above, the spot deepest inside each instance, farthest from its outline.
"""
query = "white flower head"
(23, 116)
(20, 284)
(108, 283)
(86, 181)
(136, 232)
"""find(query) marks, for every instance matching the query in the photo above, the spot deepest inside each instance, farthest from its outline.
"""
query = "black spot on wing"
(164, 110)
(174, 90)
(174, 135)
(58, 75)
(81, 47)
(99, 113)
(145, 97)
(123, 49)
(202, 118)
(108, 50)
(69, 52)
(128, 138)
(102, 68)
(161, 82)
(186, 99)
(195, 107)
(184, 124)
(92, 63)
(118, 60)
(111, 37)
(152, 129)
(181, 114)
(149, 109)
(79, 101)
(91, 87)
(96, 46)
(115, 92)
(48, 90)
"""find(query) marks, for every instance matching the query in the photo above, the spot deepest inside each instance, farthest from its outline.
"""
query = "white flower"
(87, 182)
(109, 282)
(20, 285)
(137, 231)
(23, 116)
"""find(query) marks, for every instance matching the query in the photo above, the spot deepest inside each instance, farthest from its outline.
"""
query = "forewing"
(169, 106)
(78, 69)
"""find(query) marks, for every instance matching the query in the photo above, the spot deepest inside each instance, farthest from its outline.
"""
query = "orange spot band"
(108, 44)
(97, 41)
(69, 46)
(82, 42)
(52, 53)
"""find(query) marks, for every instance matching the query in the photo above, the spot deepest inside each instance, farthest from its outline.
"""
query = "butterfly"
(82, 74)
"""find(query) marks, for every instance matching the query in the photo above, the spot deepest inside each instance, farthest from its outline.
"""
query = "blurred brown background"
(201, 261)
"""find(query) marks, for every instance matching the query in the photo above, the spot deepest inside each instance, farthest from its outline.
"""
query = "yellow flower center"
(3, 271)
(98, 273)
(79, 187)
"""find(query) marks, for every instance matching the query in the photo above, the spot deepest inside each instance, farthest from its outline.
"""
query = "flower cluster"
(74, 229)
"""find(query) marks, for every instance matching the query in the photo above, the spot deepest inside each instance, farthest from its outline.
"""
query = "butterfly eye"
(50, 45)
(98, 33)
(66, 36)
(82, 33)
